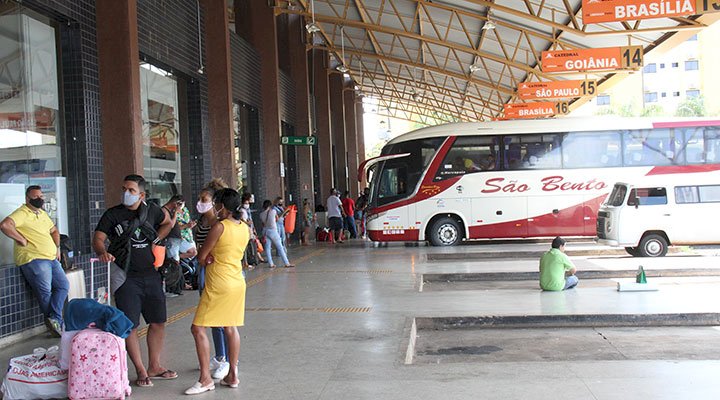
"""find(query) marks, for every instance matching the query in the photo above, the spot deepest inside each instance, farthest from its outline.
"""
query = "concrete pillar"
(360, 124)
(119, 75)
(258, 23)
(321, 94)
(337, 116)
(219, 78)
(299, 72)
(351, 141)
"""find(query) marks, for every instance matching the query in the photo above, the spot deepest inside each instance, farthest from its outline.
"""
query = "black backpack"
(67, 256)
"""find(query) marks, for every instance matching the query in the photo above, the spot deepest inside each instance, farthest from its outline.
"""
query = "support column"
(119, 75)
(321, 94)
(351, 141)
(360, 124)
(337, 115)
(220, 121)
(260, 26)
(299, 73)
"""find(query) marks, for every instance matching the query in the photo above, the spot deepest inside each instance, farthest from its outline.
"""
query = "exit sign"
(299, 140)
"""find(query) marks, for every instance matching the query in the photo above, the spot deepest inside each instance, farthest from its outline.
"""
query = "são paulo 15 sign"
(557, 89)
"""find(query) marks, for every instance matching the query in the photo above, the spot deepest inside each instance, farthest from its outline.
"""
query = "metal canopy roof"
(436, 60)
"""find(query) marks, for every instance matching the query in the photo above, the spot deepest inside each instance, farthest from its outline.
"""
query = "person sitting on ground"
(557, 272)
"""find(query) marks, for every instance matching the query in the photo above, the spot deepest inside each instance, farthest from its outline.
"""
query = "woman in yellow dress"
(222, 303)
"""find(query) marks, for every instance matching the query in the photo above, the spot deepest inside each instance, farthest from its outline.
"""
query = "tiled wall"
(168, 35)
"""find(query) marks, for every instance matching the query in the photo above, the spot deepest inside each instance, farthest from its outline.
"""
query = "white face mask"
(202, 207)
(246, 206)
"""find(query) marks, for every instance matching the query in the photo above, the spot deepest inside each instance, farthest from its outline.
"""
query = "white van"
(663, 210)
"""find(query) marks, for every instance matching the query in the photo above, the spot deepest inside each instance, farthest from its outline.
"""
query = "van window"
(709, 194)
(648, 196)
(686, 195)
(617, 196)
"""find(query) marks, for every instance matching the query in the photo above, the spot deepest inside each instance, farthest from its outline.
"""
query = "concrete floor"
(337, 328)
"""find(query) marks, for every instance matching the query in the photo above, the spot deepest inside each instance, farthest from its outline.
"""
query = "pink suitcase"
(98, 366)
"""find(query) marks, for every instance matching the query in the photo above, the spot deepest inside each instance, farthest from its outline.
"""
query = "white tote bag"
(35, 376)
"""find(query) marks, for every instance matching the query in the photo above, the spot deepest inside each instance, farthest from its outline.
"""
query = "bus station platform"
(355, 321)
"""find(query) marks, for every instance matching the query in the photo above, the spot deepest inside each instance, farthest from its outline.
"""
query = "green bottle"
(640, 277)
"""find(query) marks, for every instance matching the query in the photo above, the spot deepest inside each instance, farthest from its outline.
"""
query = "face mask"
(217, 212)
(37, 203)
(246, 206)
(202, 208)
(129, 199)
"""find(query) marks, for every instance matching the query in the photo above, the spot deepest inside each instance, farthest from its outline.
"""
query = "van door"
(693, 213)
(652, 213)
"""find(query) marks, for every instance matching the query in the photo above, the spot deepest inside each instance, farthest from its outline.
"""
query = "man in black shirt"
(133, 228)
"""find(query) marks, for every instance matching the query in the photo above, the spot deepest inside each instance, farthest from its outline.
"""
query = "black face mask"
(37, 202)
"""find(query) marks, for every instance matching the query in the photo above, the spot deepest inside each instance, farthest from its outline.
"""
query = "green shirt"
(553, 265)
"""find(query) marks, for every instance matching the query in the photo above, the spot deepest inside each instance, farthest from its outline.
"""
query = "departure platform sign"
(557, 89)
(599, 11)
(298, 140)
(602, 59)
(540, 109)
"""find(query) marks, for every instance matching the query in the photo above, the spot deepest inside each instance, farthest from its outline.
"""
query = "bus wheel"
(653, 245)
(633, 251)
(445, 232)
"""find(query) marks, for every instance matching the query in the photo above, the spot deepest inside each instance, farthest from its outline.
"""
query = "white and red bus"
(522, 179)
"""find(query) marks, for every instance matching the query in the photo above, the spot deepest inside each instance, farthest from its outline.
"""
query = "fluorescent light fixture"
(312, 27)
(342, 68)
(474, 68)
(488, 26)
(346, 75)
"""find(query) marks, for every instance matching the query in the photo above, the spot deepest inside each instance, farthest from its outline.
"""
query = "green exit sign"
(299, 140)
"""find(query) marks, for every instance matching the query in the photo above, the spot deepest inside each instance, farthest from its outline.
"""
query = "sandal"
(165, 375)
(290, 266)
(231, 385)
(144, 382)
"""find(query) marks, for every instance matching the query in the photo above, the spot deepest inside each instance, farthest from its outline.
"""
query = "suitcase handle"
(108, 293)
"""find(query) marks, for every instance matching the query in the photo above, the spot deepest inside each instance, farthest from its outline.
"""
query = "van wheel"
(633, 251)
(653, 246)
(445, 232)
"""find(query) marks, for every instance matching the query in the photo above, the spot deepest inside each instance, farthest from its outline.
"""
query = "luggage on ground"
(36, 376)
(98, 366)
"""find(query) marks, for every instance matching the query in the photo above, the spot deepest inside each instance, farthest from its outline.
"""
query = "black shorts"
(142, 295)
(336, 224)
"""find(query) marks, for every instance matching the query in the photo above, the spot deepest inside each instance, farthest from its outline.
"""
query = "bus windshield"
(396, 179)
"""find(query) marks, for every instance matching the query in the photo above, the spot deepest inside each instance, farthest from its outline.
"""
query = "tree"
(691, 107)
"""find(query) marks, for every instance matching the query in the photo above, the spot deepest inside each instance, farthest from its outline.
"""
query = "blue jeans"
(273, 237)
(49, 284)
(218, 334)
(350, 225)
(570, 282)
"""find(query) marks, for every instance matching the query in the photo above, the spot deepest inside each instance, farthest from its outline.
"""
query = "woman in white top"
(269, 219)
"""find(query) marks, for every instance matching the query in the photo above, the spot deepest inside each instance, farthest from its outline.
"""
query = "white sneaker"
(221, 371)
(215, 363)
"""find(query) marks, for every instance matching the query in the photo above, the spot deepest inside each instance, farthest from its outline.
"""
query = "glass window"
(161, 133)
(533, 151)
(648, 196)
(692, 65)
(30, 117)
(692, 140)
(675, 65)
(617, 196)
(650, 147)
(469, 154)
(712, 145)
(662, 65)
(686, 194)
(676, 94)
(393, 184)
(663, 94)
(651, 97)
(709, 194)
(650, 68)
(692, 93)
(603, 100)
(591, 150)
(693, 38)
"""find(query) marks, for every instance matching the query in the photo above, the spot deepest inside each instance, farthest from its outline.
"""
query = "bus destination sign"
(557, 89)
(540, 109)
(298, 140)
(599, 11)
(602, 59)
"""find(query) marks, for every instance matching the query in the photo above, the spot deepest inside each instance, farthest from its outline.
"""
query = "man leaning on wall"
(36, 251)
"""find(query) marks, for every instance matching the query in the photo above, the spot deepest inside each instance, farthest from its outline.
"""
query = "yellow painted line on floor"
(370, 271)
(190, 310)
(312, 309)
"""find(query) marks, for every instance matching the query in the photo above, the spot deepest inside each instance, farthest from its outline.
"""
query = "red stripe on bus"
(410, 235)
(683, 169)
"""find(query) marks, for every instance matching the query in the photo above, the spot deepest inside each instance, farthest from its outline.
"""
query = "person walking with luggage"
(219, 366)
(36, 250)
(222, 303)
(133, 228)
(271, 230)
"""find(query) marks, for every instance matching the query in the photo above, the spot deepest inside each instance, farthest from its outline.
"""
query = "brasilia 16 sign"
(538, 109)
(598, 11)
(602, 59)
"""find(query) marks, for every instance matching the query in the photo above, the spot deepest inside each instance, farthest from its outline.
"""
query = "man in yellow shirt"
(37, 252)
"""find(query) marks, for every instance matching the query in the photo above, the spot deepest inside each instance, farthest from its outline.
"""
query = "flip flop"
(144, 382)
(165, 375)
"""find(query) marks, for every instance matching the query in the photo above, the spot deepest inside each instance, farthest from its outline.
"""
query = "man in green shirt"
(557, 272)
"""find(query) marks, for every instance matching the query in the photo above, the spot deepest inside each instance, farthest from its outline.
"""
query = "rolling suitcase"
(98, 366)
